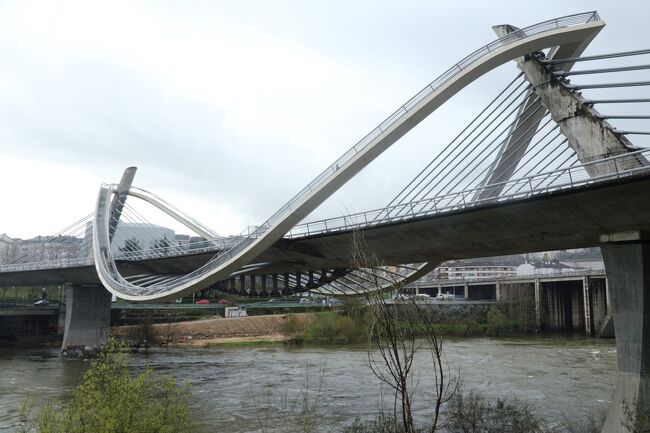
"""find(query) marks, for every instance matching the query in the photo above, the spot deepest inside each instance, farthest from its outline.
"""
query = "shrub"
(336, 328)
(474, 413)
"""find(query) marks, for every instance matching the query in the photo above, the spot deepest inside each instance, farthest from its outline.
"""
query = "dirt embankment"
(203, 333)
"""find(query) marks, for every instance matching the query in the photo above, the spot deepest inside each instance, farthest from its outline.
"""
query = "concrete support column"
(586, 297)
(466, 290)
(497, 291)
(538, 316)
(87, 317)
(439, 288)
(627, 260)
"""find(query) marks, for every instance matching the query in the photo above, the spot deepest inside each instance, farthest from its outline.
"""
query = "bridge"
(563, 301)
(538, 168)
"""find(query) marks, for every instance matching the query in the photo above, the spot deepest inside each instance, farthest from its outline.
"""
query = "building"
(9, 248)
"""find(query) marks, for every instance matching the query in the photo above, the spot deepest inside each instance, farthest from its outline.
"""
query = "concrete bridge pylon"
(88, 307)
(627, 260)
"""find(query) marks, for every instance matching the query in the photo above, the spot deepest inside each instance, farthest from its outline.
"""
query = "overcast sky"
(229, 108)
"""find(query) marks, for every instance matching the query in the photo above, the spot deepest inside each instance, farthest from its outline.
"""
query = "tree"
(162, 246)
(110, 400)
(399, 333)
(130, 245)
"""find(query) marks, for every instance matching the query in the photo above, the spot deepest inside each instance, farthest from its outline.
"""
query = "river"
(256, 389)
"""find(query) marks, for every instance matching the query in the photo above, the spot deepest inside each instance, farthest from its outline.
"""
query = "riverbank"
(213, 332)
(323, 328)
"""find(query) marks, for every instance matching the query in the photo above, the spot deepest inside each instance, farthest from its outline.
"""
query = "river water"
(259, 389)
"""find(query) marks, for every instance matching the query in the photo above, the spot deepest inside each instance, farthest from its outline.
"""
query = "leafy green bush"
(331, 328)
(110, 400)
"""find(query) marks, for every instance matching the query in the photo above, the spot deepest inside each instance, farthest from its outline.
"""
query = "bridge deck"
(551, 221)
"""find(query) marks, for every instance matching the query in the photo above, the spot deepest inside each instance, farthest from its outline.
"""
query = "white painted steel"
(566, 30)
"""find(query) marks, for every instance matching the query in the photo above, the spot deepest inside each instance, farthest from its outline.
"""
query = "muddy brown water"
(256, 389)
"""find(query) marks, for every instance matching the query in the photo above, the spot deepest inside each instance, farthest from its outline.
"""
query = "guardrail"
(508, 278)
(561, 179)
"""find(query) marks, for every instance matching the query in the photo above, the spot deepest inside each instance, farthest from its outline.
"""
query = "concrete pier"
(87, 319)
(627, 259)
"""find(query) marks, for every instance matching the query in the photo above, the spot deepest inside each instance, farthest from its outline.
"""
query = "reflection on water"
(244, 389)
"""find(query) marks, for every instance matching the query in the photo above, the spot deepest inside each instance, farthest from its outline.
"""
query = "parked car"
(41, 303)
(202, 301)
(225, 302)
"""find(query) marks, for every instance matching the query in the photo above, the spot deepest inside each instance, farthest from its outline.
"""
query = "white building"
(8, 248)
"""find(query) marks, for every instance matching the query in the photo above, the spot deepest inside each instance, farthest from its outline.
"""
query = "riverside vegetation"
(110, 399)
(351, 323)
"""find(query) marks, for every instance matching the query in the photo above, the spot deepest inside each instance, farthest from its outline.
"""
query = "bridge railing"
(47, 264)
(575, 273)
(205, 246)
(561, 179)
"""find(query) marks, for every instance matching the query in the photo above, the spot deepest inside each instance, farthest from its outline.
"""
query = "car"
(225, 302)
(202, 301)
(41, 303)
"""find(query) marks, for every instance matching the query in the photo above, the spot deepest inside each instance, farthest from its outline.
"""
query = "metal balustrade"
(561, 179)
(509, 278)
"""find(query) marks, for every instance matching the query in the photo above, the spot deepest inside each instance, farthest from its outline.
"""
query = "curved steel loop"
(574, 29)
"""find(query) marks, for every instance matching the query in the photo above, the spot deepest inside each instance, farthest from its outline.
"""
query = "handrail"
(462, 199)
(508, 278)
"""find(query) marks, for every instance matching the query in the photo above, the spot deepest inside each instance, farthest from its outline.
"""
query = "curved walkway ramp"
(570, 31)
